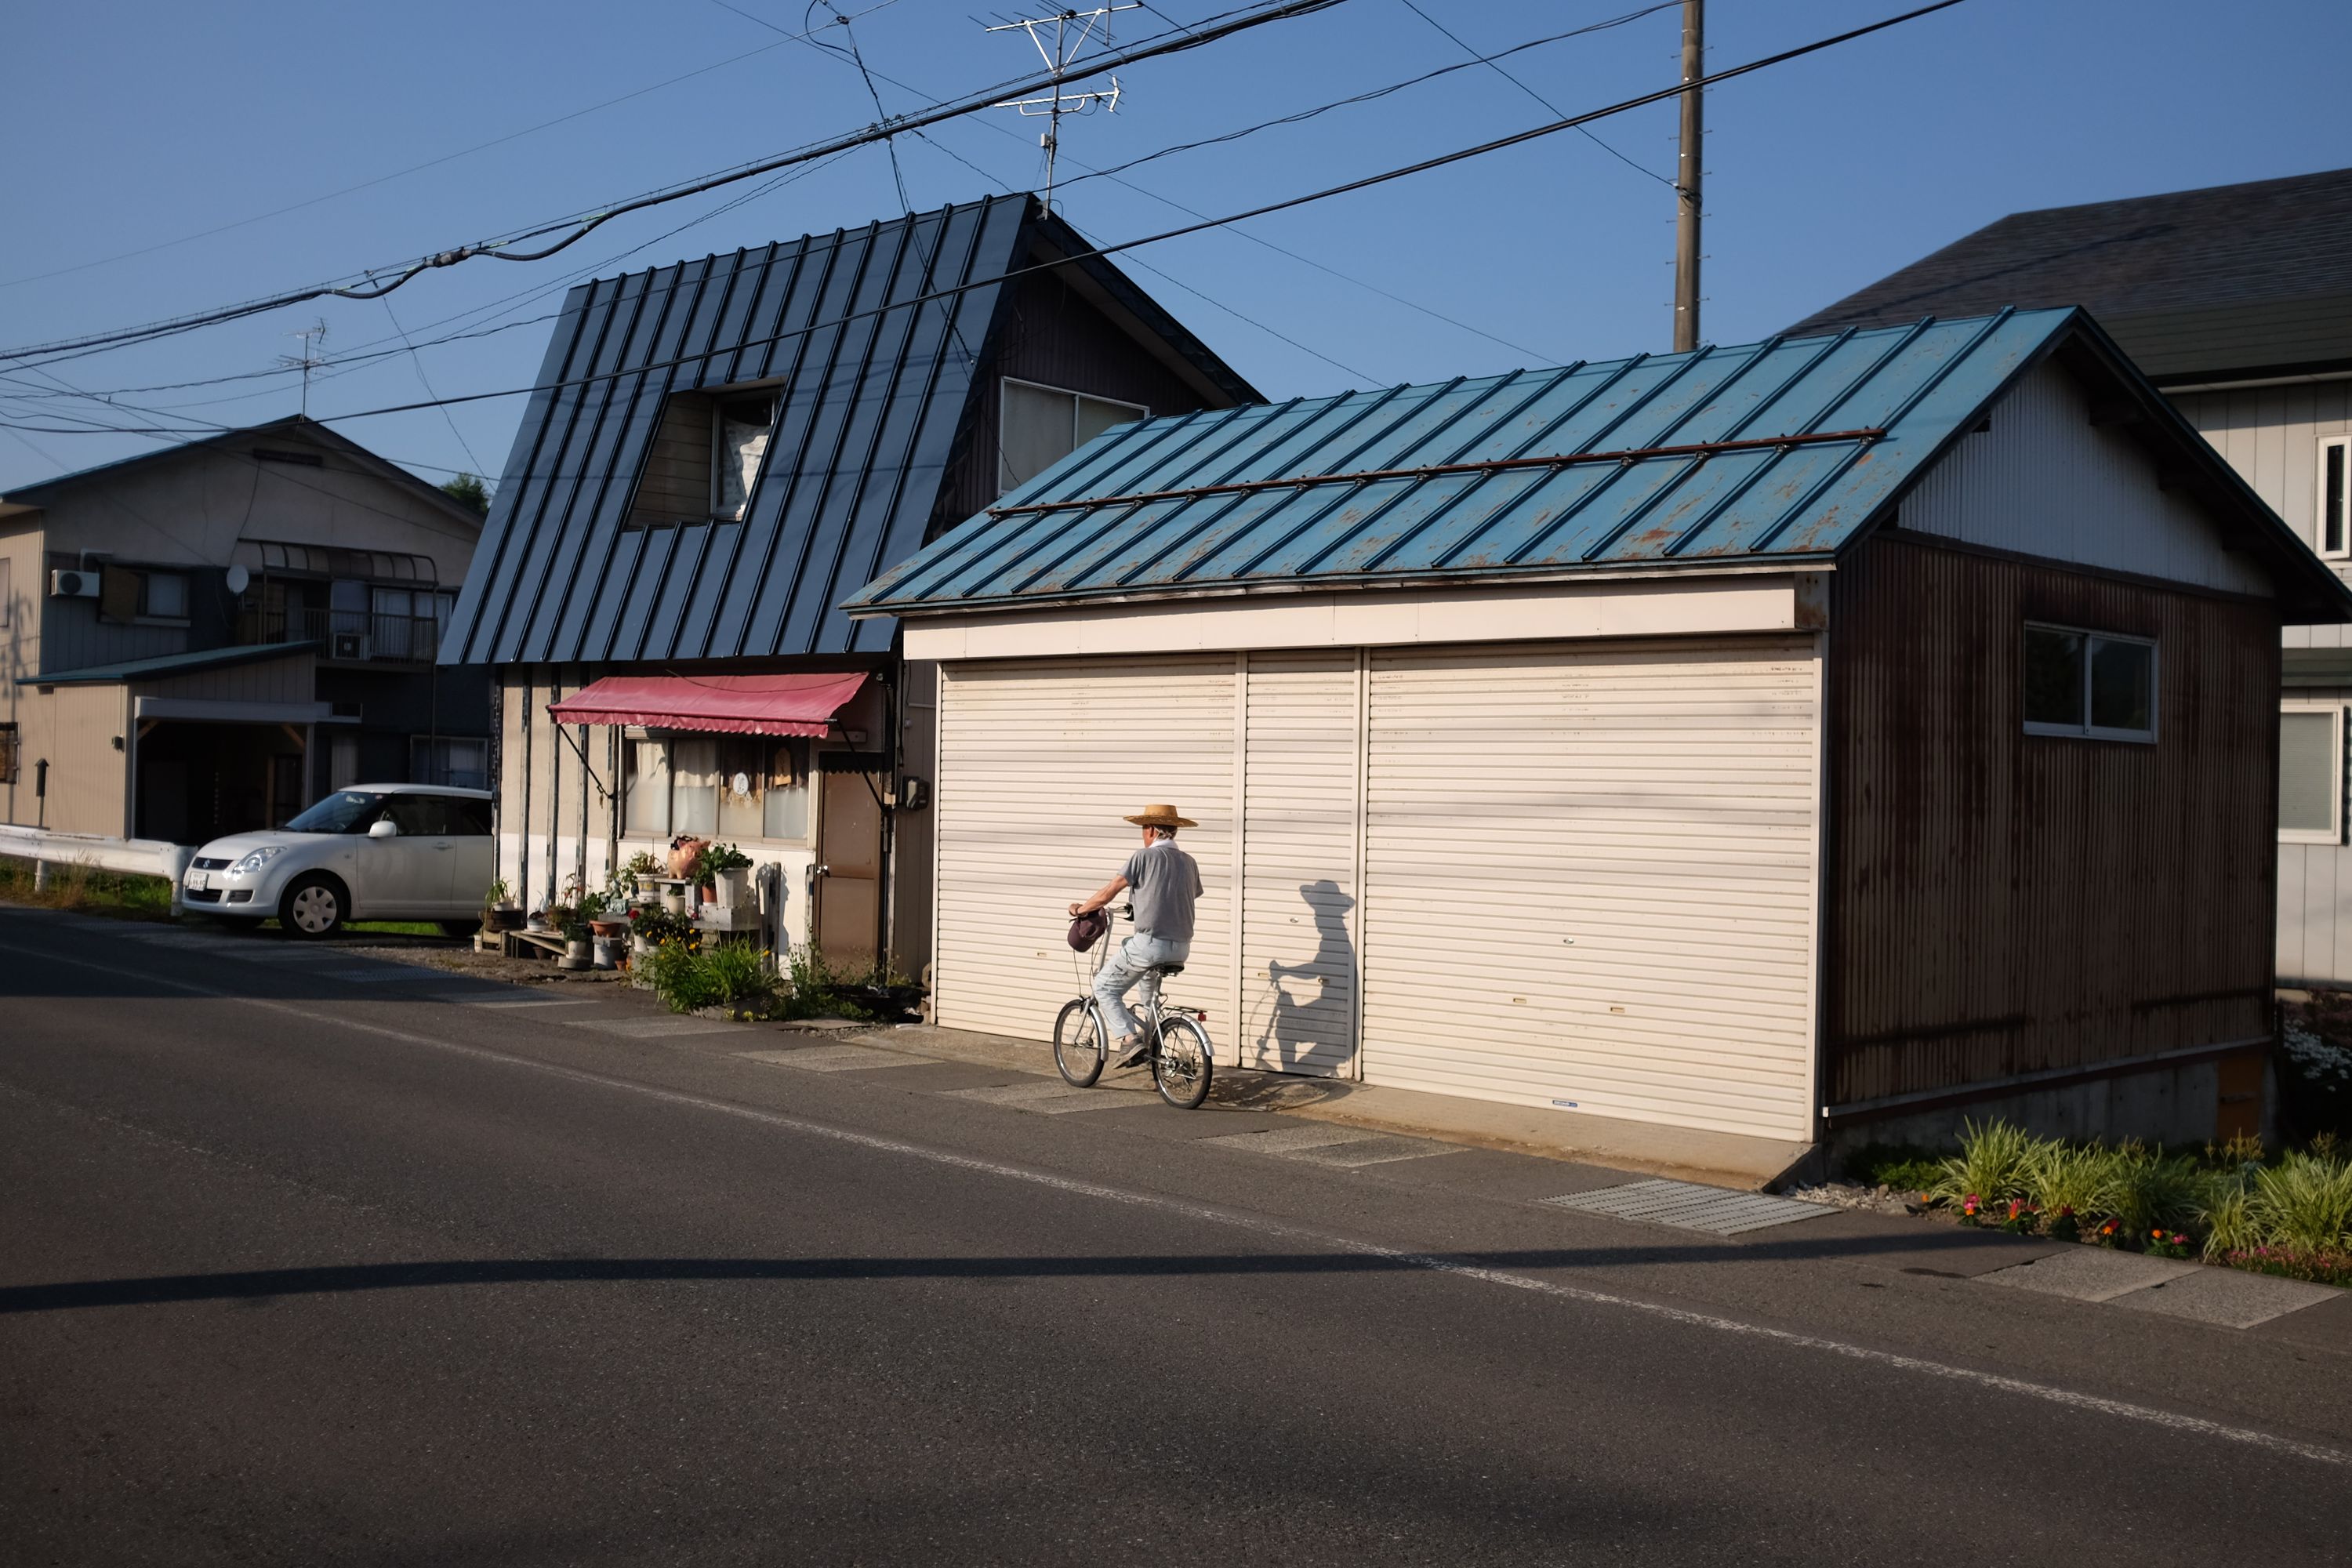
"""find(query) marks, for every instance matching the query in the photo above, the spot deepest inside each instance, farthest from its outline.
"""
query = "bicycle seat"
(1165, 969)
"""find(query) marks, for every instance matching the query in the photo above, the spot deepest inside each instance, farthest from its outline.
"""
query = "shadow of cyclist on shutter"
(1309, 1026)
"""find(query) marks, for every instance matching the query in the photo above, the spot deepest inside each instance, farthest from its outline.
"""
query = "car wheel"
(315, 906)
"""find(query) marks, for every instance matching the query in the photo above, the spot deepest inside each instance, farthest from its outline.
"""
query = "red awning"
(732, 704)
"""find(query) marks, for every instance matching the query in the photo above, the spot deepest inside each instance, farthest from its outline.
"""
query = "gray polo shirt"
(1165, 884)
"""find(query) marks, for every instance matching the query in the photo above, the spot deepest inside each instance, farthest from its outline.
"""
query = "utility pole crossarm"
(1072, 32)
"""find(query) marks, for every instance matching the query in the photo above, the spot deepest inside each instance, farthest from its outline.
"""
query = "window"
(2089, 684)
(164, 595)
(728, 786)
(1037, 427)
(8, 747)
(2330, 533)
(704, 459)
(2311, 774)
(454, 760)
(742, 442)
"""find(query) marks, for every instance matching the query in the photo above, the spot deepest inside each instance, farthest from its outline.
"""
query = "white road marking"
(1285, 1231)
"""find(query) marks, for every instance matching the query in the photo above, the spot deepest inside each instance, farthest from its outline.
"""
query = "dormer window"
(704, 457)
(743, 427)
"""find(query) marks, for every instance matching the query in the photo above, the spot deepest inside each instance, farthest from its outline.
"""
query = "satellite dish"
(238, 579)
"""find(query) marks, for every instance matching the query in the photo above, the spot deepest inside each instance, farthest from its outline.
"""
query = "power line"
(416, 168)
(373, 285)
(1491, 62)
(1365, 182)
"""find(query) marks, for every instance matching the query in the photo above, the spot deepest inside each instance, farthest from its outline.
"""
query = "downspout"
(523, 839)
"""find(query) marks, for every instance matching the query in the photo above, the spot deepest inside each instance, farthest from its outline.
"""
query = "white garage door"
(1039, 759)
(1301, 727)
(1588, 879)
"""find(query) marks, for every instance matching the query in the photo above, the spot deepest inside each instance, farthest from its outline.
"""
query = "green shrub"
(679, 977)
(1902, 1167)
(2152, 1190)
(2304, 1203)
(1994, 1164)
(733, 975)
(2062, 1176)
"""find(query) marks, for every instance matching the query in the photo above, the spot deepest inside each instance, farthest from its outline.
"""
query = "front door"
(847, 912)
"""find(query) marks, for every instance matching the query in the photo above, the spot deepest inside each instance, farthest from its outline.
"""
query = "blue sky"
(134, 125)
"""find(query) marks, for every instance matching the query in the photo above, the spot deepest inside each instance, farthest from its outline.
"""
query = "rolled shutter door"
(1039, 760)
(1590, 878)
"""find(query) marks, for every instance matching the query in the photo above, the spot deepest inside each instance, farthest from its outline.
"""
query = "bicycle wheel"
(1078, 1043)
(1181, 1067)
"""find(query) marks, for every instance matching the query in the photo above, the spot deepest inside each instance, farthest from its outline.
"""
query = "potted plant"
(641, 870)
(649, 928)
(602, 911)
(726, 871)
(499, 910)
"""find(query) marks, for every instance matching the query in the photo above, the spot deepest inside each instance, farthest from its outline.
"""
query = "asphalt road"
(305, 1263)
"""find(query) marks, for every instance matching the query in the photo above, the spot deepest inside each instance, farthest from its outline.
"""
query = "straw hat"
(1159, 814)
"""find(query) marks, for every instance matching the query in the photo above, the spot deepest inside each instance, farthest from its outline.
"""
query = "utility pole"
(1073, 31)
(1687, 180)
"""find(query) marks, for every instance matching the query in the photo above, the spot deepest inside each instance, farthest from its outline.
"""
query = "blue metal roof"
(1777, 451)
(872, 387)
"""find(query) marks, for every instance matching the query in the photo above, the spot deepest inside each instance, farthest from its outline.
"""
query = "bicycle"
(1182, 1057)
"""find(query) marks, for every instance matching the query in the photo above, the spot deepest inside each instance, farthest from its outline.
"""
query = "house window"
(454, 761)
(8, 747)
(705, 456)
(2330, 531)
(2089, 684)
(742, 441)
(2311, 774)
(725, 786)
(164, 595)
(1037, 427)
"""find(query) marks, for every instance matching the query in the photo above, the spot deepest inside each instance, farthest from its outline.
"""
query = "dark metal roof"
(170, 664)
(1780, 452)
(870, 399)
(2232, 281)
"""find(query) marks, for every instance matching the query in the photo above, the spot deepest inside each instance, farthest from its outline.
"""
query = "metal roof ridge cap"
(1707, 567)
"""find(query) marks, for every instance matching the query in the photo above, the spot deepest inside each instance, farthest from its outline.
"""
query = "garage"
(1706, 741)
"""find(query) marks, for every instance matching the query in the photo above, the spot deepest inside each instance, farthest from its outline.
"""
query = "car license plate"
(200, 881)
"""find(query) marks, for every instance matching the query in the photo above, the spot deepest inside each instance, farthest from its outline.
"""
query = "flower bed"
(2290, 1214)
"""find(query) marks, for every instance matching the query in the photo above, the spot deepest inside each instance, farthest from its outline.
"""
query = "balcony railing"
(347, 636)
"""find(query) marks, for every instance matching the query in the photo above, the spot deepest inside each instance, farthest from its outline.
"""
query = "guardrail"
(139, 857)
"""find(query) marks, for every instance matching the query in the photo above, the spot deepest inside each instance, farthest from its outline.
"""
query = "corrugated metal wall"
(1590, 875)
(2045, 481)
(1301, 793)
(2271, 435)
(2003, 903)
(1038, 762)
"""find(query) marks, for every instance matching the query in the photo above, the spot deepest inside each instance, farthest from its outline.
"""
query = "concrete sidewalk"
(1718, 1159)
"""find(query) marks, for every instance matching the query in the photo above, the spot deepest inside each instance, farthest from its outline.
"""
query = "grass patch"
(1900, 1167)
(86, 889)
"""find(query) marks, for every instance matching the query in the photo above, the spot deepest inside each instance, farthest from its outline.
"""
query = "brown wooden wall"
(2001, 904)
(1048, 334)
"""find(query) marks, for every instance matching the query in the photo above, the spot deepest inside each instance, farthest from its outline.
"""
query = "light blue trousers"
(1131, 962)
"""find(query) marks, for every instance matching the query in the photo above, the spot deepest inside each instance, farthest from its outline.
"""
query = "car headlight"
(256, 860)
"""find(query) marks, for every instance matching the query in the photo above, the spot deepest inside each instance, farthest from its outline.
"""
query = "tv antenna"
(1070, 32)
(305, 362)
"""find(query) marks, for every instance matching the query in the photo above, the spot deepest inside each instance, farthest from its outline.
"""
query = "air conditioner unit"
(73, 584)
(350, 644)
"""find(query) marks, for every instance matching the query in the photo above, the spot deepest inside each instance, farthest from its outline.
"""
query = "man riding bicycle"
(1167, 884)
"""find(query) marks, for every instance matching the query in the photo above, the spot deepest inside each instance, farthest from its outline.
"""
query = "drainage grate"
(1686, 1206)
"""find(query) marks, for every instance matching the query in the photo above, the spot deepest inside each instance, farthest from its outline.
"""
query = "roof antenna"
(305, 362)
(1072, 32)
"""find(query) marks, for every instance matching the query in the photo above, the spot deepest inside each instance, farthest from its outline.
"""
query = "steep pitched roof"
(872, 375)
(1778, 453)
(2230, 281)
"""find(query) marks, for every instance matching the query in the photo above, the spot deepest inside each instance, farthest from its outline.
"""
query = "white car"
(372, 852)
